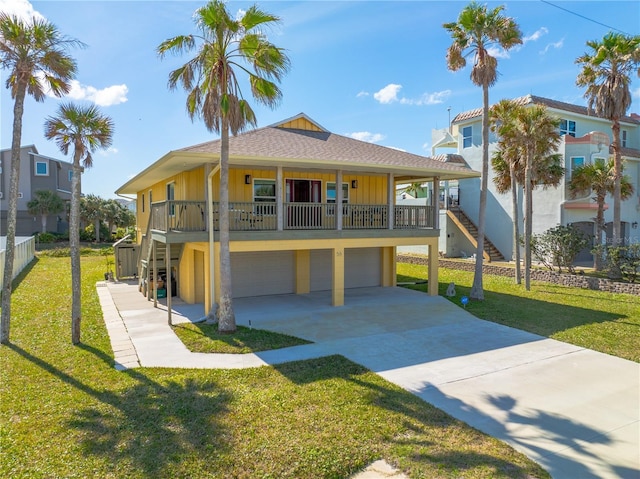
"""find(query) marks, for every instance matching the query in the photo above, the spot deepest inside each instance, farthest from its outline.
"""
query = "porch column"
(432, 272)
(436, 202)
(155, 276)
(279, 202)
(303, 271)
(337, 269)
(388, 270)
(338, 211)
(167, 286)
(208, 204)
(391, 199)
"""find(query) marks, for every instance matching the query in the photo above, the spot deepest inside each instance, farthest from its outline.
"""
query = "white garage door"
(361, 268)
(262, 273)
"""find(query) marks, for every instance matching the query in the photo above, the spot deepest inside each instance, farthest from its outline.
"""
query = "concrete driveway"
(573, 410)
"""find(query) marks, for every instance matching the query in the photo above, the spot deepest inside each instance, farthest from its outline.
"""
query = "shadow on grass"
(430, 434)
(23, 274)
(150, 425)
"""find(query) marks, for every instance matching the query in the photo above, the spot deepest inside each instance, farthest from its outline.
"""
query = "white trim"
(46, 167)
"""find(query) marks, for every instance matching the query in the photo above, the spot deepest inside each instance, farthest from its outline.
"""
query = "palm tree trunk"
(12, 214)
(226, 317)
(96, 227)
(528, 220)
(597, 258)
(477, 291)
(516, 226)
(43, 223)
(74, 247)
(614, 272)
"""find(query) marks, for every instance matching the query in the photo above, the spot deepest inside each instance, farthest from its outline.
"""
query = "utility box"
(126, 260)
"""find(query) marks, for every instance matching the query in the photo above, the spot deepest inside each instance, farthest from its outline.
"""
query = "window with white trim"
(42, 168)
(467, 137)
(171, 196)
(624, 138)
(70, 175)
(331, 192)
(568, 127)
(264, 191)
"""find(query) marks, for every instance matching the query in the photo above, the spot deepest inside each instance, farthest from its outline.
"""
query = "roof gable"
(300, 122)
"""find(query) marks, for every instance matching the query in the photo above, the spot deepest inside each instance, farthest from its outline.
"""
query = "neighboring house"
(37, 172)
(585, 137)
(285, 234)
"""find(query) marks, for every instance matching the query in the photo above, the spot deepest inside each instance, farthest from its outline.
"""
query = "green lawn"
(66, 412)
(597, 320)
(205, 338)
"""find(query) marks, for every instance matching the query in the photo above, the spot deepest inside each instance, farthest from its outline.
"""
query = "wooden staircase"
(145, 260)
(469, 229)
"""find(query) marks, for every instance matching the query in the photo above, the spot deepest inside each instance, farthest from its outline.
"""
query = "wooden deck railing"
(188, 216)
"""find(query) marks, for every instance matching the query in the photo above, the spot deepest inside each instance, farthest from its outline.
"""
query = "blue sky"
(374, 70)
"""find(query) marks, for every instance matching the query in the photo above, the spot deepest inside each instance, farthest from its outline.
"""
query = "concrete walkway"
(573, 410)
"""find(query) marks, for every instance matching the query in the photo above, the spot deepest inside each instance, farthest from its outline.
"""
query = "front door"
(304, 191)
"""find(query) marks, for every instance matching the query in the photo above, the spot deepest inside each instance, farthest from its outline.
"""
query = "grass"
(598, 320)
(66, 412)
(205, 338)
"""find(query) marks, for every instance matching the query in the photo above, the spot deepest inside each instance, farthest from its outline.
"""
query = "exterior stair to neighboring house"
(469, 229)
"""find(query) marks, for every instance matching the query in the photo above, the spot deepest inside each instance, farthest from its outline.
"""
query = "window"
(576, 161)
(264, 191)
(624, 138)
(42, 168)
(331, 192)
(70, 175)
(171, 195)
(568, 127)
(467, 137)
(142, 201)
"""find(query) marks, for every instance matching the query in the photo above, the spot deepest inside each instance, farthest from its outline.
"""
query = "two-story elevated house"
(310, 210)
(37, 172)
(585, 137)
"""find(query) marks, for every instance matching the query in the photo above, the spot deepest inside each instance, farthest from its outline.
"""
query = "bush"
(621, 260)
(559, 247)
(46, 238)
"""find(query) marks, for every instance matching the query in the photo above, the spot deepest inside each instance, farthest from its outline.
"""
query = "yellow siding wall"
(300, 124)
(190, 186)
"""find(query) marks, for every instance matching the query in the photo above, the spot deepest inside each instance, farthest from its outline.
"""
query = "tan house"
(286, 234)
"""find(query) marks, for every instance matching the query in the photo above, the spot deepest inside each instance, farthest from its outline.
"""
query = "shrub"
(623, 260)
(46, 238)
(558, 247)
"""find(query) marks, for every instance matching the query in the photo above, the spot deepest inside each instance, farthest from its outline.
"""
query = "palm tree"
(606, 72)
(35, 55)
(45, 203)
(414, 189)
(93, 209)
(477, 30)
(598, 177)
(224, 45)
(501, 116)
(85, 129)
(537, 134)
(512, 123)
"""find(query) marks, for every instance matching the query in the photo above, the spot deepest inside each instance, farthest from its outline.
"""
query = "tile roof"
(538, 100)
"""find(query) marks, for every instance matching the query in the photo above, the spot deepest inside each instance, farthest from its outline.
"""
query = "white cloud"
(21, 8)
(112, 95)
(498, 52)
(428, 98)
(367, 136)
(362, 93)
(535, 35)
(388, 94)
(557, 44)
(636, 93)
(108, 152)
